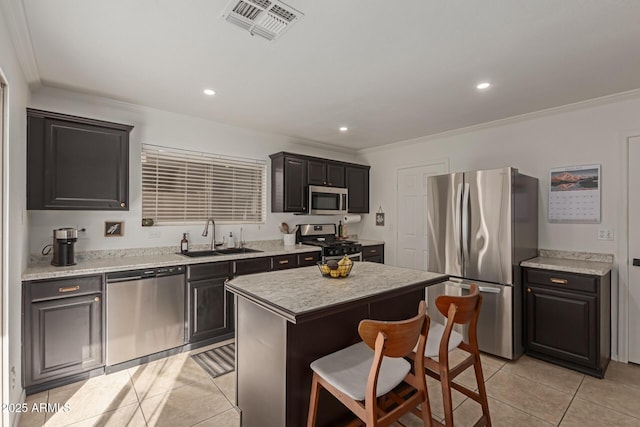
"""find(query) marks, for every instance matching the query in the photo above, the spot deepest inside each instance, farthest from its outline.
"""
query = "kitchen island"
(286, 319)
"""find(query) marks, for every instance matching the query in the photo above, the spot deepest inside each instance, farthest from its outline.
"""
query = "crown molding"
(21, 38)
(589, 103)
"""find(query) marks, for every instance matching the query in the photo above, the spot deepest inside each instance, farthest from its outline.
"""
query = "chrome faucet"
(205, 233)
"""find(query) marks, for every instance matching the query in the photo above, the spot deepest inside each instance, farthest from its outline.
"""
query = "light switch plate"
(605, 234)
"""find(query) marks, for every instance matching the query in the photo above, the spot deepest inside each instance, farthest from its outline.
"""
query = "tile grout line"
(564, 414)
(133, 386)
(510, 405)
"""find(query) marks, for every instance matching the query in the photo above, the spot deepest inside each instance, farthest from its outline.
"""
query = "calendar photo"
(574, 194)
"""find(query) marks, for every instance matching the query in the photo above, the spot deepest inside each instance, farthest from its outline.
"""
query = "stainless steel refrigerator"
(481, 225)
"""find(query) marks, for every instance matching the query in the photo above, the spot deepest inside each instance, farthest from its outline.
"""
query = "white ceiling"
(389, 70)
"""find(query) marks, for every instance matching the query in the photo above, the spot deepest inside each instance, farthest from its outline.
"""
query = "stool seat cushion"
(436, 330)
(348, 370)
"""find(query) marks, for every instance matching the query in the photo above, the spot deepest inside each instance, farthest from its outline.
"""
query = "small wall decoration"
(114, 228)
(380, 217)
(574, 194)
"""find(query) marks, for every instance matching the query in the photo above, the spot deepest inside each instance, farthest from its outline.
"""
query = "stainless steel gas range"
(324, 236)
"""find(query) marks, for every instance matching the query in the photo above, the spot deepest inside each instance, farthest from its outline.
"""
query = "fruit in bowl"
(335, 268)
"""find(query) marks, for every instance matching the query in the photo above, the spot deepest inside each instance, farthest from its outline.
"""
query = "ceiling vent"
(266, 18)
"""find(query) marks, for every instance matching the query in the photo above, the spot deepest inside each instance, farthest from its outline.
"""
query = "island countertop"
(303, 293)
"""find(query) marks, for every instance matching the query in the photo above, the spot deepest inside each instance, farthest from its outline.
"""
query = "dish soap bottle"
(184, 243)
(231, 243)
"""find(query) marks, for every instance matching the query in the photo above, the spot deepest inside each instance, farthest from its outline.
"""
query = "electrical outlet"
(154, 235)
(605, 234)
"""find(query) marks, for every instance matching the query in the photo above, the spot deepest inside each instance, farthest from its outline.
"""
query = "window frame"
(188, 187)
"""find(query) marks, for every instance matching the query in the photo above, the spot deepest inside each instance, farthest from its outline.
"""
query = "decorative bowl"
(340, 272)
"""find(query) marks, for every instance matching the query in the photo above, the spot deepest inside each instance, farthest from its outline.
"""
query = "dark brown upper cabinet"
(76, 163)
(325, 173)
(358, 185)
(288, 183)
(291, 175)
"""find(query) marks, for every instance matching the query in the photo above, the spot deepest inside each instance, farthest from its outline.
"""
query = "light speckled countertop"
(572, 262)
(97, 262)
(297, 293)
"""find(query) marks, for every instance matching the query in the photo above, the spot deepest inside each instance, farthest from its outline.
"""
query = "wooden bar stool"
(443, 339)
(360, 374)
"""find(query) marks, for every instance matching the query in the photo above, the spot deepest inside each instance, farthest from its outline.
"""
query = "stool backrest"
(466, 307)
(401, 336)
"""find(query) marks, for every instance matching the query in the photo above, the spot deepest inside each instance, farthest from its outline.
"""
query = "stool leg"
(447, 402)
(482, 391)
(313, 401)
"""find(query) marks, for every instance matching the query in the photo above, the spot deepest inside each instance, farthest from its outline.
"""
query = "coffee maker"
(63, 241)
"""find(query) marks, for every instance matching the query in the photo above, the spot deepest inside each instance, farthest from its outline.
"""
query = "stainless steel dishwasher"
(145, 312)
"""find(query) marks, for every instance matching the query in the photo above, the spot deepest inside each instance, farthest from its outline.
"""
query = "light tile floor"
(176, 392)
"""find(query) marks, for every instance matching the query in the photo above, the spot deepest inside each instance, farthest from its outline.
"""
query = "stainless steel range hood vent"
(266, 18)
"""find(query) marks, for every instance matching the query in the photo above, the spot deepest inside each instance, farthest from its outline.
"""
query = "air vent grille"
(262, 3)
(266, 18)
(283, 13)
(246, 10)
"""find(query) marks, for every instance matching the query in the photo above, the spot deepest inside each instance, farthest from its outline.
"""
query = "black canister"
(63, 242)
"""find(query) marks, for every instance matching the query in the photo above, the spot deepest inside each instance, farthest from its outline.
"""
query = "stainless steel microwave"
(328, 200)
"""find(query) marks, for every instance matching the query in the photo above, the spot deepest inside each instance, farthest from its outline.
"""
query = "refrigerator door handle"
(485, 289)
(465, 222)
(456, 228)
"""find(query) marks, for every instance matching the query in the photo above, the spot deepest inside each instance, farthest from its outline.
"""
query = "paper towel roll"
(351, 219)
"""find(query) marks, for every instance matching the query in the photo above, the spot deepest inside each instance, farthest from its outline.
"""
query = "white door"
(634, 249)
(411, 237)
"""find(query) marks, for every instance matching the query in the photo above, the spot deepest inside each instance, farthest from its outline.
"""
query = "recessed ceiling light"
(209, 92)
(343, 128)
(483, 85)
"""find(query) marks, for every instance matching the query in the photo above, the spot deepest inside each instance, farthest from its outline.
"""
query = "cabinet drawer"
(282, 262)
(372, 251)
(250, 266)
(209, 270)
(578, 282)
(307, 259)
(65, 287)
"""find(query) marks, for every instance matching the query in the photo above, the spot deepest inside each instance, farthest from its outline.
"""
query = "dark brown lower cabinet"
(568, 319)
(62, 330)
(373, 253)
(210, 307)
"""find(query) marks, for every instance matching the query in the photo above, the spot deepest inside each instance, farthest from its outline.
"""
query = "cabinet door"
(283, 262)
(373, 253)
(335, 175)
(62, 337)
(562, 325)
(77, 163)
(252, 265)
(210, 309)
(358, 185)
(308, 259)
(325, 173)
(316, 173)
(295, 182)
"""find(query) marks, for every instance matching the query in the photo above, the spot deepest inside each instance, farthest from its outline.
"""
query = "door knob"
(636, 262)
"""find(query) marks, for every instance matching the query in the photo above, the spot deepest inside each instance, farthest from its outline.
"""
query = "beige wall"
(14, 230)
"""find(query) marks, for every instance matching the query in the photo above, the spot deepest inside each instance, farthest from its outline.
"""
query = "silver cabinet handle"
(485, 289)
(465, 223)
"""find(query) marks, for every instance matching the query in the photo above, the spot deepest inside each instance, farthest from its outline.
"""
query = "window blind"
(180, 186)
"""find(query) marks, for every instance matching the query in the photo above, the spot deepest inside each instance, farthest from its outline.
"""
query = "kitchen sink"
(227, 251)
(236, 251)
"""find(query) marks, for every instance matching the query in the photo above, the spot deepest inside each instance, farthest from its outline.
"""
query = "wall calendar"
(574, 194)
